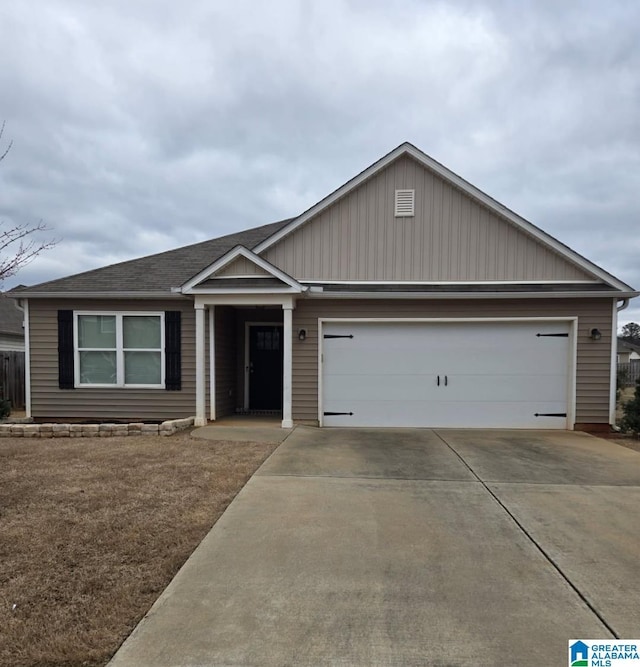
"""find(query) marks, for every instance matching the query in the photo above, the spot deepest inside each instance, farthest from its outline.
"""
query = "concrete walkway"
(244, 430)
(410, 547)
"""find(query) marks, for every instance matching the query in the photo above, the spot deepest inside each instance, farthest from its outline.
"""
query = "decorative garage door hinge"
(550, 414)
(338, 336)
(335, 414)
(558, 335)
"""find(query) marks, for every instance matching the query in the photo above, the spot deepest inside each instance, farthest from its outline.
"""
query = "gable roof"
(155, 274)
(407, 149)
(626, 346)
(206, 280)
(161, 274)
(11, 317)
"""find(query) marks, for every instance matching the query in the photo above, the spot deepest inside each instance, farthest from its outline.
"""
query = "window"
(119, 350)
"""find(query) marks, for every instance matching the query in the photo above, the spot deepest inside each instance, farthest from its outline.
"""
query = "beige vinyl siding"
(226, 351)
(50, 402)
(241, 267)
(594, 357)
(451, 237)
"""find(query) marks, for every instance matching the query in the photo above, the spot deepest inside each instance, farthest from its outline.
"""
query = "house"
(11, 330)
(627, 351)
(350, 314)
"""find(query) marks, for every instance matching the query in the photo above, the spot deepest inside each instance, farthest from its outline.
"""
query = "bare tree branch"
(24, 248)
(4, 155)
(18, 244)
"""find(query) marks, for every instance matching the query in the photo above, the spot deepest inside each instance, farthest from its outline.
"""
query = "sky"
(143, 125)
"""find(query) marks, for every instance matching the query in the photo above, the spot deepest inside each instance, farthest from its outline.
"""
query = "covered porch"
(243, 346)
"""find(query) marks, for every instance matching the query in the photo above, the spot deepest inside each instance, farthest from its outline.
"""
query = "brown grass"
(92, 530)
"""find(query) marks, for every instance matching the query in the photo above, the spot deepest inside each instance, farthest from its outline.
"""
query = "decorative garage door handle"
(338, 336)
(335, 414)
(558, 335)
(550, 414)
(446, 380)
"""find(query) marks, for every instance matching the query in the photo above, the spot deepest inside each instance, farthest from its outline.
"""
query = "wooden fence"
(629, 372)
(12, 378)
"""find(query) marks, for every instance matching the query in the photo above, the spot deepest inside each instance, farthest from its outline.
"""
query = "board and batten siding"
(241, 266)
(50, 402)
(593, 363)
(451, 237)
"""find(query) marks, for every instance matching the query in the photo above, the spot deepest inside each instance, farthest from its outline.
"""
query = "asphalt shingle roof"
(626, 346)
(156, 273)
(10, 317)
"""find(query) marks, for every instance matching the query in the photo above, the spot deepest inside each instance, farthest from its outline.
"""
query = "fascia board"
(426, 283)
(230, 256)
(459, 182)
(130, 294)
(244, 290)
(471, 295)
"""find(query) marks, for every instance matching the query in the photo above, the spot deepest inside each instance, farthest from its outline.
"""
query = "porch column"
(287, 359)
(201, 419)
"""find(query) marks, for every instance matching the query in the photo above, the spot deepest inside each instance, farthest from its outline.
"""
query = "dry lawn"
(92, 530)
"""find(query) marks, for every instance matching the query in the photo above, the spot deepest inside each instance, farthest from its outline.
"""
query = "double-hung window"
(119, 350)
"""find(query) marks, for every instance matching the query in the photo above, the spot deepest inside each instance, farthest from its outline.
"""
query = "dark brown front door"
(265, 367)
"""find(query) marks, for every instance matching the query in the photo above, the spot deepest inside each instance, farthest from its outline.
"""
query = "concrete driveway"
(410, 547)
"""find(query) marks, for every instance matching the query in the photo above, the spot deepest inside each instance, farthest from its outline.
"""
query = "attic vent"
(404, 203)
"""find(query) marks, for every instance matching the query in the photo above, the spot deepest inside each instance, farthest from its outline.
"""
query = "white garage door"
(463, 374)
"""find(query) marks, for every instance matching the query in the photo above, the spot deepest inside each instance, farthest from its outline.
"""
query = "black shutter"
(65, 349)
(172, 354)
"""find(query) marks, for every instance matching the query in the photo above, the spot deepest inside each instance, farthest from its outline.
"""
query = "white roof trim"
(409, 149)
(191, 287)
(245, 290)
(83, 294)
(462, 283)
(428, 296)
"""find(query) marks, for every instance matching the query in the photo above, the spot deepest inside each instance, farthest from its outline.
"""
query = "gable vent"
(405, 203)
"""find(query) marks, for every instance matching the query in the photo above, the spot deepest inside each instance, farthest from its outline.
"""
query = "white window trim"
(120, 383)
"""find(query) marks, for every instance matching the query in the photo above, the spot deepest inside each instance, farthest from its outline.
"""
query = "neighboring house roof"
(10, 317)
(154, 273)
(626, 346)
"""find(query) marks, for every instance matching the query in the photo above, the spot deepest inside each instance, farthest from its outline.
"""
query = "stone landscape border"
(168, 427)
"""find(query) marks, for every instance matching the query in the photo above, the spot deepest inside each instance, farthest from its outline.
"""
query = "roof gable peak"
(195, 284)
(408, 149)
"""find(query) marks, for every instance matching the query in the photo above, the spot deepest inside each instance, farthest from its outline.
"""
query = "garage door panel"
(491, 374)
(447, 414)
(552, 387)
(440, 347)
(486, 358)
(416, 387)
(359, 360)
(381, 387)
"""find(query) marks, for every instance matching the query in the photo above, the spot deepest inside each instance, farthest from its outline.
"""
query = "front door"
(265, 367)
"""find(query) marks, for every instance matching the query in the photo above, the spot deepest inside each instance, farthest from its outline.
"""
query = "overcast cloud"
(142, 125)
